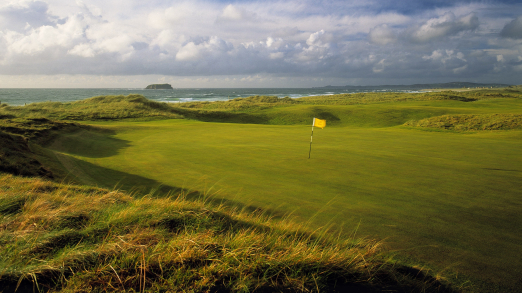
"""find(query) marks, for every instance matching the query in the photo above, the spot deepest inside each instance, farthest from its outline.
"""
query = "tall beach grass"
(65, 238)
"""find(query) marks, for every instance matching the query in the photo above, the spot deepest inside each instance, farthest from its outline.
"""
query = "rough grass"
(471, 122)
(39, 129)
(96, 108)
(17, 158)
(362, 109)
(65, 238)
(17, 139)
(263, 102)
(338, 109)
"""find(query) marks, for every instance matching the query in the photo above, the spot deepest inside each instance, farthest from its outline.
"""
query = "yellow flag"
(319, 122)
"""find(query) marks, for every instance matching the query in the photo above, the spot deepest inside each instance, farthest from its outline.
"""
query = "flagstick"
(313, 123)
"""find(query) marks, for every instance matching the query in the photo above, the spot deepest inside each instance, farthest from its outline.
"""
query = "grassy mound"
(63, 238)
(17, 158)
(264, 102)
(21, 127)
(361, 109)
(35, 128)
(239, 104)
(18, 135)
(96, 108)
(471, 122)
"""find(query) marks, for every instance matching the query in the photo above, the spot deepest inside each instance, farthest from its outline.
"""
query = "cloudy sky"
(254, 43)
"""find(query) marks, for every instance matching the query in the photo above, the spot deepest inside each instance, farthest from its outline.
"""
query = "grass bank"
(95, 108)
(66, 238)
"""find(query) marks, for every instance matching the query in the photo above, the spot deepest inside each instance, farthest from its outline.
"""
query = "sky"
(254, 43)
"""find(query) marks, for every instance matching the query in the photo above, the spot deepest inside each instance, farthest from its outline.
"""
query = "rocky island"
(164, 86)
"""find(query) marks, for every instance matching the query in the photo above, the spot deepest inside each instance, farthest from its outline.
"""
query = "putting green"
(451, 200)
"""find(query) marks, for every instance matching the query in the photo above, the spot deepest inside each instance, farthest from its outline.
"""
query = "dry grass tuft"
(465, 122)
(64, 238)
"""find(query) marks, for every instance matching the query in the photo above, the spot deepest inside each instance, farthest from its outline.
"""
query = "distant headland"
(164, 86)
(449, 85)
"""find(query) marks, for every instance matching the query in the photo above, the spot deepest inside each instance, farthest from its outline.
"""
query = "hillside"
(447, 85)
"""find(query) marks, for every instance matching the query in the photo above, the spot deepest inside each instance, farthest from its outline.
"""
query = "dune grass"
(260, 109)
(447, 197)
(95, 108)
(363, 109)
(66, 238)
(471, 122)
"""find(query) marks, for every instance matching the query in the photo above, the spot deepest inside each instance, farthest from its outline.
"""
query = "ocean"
(18, 97)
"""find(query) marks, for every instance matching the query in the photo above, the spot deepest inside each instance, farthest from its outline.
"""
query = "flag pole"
(311, 136)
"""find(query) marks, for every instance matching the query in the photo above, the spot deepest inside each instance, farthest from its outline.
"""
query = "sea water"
(17, 97)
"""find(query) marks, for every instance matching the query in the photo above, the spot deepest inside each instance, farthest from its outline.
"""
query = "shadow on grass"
(222, 116)
(24, 286)
(89, 141)
(90, 174)
(388, 280)
(320, 113)
(497, 169)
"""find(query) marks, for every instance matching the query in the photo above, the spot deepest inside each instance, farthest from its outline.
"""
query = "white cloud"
(445, 56)
(213, 47)
(274, 43)
(435, 55)
(168, 41)
(444, 26)
(42, 38)
(316, 39)
(231, 12)
(382, 35)
(277, 55)
(83, 50)
(190, 51)
(173, 16)
(318, 48)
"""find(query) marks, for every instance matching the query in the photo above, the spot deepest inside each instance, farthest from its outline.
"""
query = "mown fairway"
(449, 200)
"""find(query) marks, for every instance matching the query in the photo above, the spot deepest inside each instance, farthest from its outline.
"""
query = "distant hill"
(164, 86)
(448, 85)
